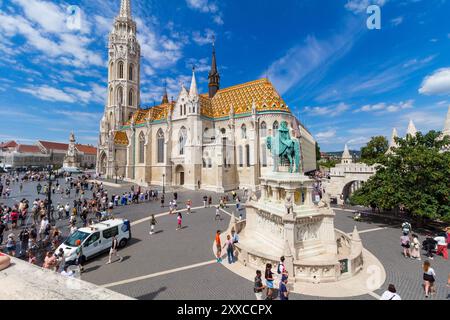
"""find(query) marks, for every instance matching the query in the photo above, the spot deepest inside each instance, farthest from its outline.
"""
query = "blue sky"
(345, 82)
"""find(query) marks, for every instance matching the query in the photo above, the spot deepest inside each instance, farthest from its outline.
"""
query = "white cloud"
(386, 108)
(49, 94)
(68, 94)
(202, 39)
(206, 6)
(331, 111)
(203, 5)
(307, 63)
(437, 83)
(326, 135)
(359, 6)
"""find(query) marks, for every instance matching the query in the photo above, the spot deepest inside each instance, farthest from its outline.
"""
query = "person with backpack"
(406, 228)
(390, 294)
(281, 268)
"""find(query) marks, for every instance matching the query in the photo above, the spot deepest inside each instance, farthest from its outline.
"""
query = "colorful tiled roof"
(120, 138)
(241, 97)
(152, 114)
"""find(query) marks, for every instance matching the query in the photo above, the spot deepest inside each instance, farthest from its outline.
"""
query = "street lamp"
(49, 191)
(116, 169)
(164, 189)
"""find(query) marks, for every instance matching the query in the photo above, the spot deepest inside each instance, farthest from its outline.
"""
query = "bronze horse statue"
(284, 148)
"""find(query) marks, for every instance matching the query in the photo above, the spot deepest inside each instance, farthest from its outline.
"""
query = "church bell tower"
(124, 54)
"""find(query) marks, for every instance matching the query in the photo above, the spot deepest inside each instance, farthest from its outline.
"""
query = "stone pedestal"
(305, 236)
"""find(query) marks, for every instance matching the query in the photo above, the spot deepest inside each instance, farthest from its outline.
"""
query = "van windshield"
(78, 235)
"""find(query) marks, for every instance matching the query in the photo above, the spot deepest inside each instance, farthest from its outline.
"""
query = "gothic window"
(141, 148)
(130, 72)
(111, 97)
(264, 155)
(184, 110)
(120, 96)
(130, 97)
(181, 110)
(120, 70)
(244, 131)
(182, 140)
(275, 128)
(204, 163)
(209, 163)
(241, 156)
(263, 129)
(247, 154)
(160, 140)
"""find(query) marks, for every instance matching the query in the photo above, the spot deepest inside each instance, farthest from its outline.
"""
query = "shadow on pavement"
(152, 295)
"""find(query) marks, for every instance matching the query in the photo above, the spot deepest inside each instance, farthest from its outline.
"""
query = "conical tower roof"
(346, 154)
(411, 129)
(193, 91)
(125, 9)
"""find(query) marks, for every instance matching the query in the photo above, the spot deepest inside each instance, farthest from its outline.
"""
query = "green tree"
(318, 155)
(374, 150)
(416, 175)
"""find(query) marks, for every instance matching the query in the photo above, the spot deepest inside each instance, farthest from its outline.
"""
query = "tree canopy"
(416, 175)
(374, 150)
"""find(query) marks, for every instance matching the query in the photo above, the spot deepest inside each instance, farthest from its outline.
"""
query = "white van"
(96, 239)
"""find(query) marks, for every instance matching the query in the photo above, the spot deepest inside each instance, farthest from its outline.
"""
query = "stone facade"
(213, 141)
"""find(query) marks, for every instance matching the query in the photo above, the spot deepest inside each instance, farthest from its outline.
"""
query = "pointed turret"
(392, 143)
(165, 98)
(346, 156)
(446, 131)
(214, 77)
(411, 129)
(125, 9)
(193, 92)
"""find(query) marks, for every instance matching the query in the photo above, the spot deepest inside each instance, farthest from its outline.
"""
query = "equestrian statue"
(283, 147)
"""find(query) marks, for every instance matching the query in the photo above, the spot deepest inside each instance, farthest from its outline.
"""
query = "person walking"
(390, 294)
(162, 201)
(284, 292)
(268, 275)
(188, 206)
(406, 228)
(179, 220)
(113, 250)
(24, 237)
(258, 287)
(152, 224)
(441, 246)
(218, 247)
(405, 243)
(218, 217)
(415, 247)
(80, 258)
(209, 201)
(205, 201)
(429, 277)
(230, 249)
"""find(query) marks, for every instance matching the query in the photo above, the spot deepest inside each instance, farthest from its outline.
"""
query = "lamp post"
(116, 169)
(164, 187)
(49, 191)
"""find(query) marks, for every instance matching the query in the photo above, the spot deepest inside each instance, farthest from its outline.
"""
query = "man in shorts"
(113, 250)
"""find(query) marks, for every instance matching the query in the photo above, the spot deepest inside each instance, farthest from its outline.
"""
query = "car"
(96, 239)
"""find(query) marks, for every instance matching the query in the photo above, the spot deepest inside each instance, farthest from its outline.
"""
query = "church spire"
(193, 91)
(165, 98)
(214, 76)
(125, 9)
(346, 156)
